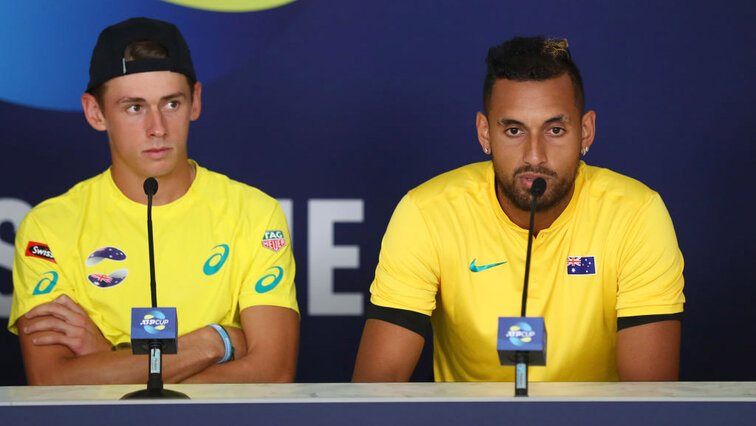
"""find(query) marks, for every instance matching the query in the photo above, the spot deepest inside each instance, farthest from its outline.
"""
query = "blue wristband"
(229, 353)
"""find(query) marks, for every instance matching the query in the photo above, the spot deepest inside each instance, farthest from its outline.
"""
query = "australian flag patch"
(581, 265)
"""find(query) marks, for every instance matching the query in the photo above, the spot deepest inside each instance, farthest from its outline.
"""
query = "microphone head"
(538, 187)
(150, 186)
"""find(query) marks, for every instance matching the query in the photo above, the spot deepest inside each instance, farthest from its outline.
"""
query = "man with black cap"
(223, 253)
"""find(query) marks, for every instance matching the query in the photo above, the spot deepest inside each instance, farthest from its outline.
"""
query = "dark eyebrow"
(557, 119)
(141, 100)
(130, 100)
(173, 96)
(509, 121)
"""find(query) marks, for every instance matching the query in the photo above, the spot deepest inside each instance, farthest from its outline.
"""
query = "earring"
(485, 150)
(584, 151)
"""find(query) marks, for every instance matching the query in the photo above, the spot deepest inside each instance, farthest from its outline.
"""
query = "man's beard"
(558, 189)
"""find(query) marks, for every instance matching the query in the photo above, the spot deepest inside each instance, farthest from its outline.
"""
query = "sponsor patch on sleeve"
(40, 250)
(274, 240)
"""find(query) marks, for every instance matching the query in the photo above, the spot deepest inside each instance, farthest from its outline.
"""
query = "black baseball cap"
(107, 57)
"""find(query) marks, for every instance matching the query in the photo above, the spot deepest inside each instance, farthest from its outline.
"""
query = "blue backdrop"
(339, 107)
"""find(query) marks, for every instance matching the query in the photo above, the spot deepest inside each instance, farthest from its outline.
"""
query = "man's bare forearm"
(57, 365)
(272, 334)
(250, 369)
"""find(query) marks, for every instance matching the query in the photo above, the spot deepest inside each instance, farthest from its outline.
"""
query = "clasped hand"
(63, 322)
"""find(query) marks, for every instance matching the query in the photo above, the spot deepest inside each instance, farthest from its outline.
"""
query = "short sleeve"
(37, 276)
(650, 271)
(270, 279)
(407, 276)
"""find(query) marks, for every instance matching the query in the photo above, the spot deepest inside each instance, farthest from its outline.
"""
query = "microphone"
(150, 188)
(536, 189)
(154, 330)
(522, 340)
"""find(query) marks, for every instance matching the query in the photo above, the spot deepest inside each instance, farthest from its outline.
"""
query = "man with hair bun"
(606, 270)
(223, 252)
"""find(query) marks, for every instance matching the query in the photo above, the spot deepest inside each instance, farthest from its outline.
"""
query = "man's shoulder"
(64, 206)
(609, 186)
(471, 179)
(221, 188)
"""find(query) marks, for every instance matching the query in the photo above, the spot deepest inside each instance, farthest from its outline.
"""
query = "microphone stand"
(521, 357)
(155, 367)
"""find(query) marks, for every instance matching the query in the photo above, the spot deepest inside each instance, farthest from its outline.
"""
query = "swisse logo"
(42, 251)
(39, 250)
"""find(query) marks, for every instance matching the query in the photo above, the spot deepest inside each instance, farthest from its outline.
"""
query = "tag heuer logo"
(274, 240)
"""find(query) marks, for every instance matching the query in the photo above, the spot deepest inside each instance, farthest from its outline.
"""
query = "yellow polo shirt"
(611, 253)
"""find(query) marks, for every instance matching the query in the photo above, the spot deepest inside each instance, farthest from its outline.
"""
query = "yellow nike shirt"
(450, 252)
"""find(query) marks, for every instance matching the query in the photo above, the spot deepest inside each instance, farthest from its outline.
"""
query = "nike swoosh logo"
(476, 268)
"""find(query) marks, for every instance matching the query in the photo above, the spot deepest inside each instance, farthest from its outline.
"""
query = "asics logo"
(216, 261)
(46, 284)
(262, 287)
(476, 268)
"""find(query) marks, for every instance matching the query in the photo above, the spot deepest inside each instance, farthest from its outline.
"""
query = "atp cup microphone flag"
(522, 334)
(148, 324)
(153, 330)
(522, 340)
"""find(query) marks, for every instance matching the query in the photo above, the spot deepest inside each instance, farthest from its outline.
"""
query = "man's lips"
(156, 152)
(528, 178)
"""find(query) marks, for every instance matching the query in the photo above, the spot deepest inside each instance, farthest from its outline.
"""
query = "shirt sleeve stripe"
(410, 320)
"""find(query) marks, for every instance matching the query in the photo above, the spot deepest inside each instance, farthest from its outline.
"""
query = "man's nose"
(156, 124)
(535, 150)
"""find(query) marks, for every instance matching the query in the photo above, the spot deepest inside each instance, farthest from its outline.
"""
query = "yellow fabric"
(188, 232)
(440, 227)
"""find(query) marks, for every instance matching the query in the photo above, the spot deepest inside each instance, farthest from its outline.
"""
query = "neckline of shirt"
(131, 204)
(560, 221)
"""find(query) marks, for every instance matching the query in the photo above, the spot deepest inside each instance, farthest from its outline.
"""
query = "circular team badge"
(108, 280)
(103, 253)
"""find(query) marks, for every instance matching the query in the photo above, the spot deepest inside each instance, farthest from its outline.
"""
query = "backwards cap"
(107, 57)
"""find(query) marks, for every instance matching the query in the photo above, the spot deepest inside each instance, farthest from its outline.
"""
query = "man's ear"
(93, 113)
(196, 101)
(588, 130)
(481, 123)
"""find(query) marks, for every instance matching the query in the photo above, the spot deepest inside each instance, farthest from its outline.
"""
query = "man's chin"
(158, 169)
(521, 199)
(545, 203)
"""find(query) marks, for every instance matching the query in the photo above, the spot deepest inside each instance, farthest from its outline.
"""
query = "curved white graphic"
(231, 5)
